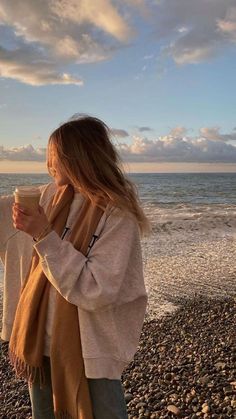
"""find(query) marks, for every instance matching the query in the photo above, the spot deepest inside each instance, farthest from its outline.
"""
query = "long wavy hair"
(91, 163)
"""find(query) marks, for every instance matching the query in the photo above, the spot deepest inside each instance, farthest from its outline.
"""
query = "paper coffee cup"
(27, 196)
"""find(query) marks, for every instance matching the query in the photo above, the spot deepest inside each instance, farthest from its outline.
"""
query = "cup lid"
(27, 190)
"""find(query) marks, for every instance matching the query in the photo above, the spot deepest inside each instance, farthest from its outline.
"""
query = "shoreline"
(186, 357)
(185, 266)
(185, 363)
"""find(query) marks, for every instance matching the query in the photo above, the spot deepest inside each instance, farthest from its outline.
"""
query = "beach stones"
(196, 381)
(192, 373)
(174, 409)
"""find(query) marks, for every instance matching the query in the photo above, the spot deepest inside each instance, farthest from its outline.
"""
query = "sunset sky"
(160, 73)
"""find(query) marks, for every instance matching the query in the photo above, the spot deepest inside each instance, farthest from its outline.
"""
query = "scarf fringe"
(63, 415)
(29, 373)
(26, 371)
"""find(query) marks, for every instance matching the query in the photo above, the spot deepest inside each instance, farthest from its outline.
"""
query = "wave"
(187, 218)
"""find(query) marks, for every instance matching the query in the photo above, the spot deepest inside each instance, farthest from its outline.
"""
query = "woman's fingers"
(20, 212)
(17, 207)
(20, 217)
(30, 222)
(19, 222)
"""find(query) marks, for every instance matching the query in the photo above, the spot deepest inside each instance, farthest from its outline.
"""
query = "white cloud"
(149, 57)
(228, 25)
(59, 33)
(173, 147)
(194, 31)
(183, 29)
(48, 22)
(176, 147)
(45, 37)
(101, 14)
(28, 66)
(178, 131)
(24, 153)
(120, 133)
(213, 133)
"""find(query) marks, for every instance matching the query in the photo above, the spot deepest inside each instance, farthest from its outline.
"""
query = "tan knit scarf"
(71, 397)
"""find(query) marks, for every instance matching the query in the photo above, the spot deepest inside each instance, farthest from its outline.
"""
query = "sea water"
(172, 201)
(192, 245)
(182, 202)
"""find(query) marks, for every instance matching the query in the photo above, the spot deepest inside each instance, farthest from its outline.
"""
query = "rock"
(228, 390)
(220, 365)
(195, 408)
(140, 405)
(174, 409)
(188, 379)
(204, 379)
(205, 408)
(128, 397)
(233, 404)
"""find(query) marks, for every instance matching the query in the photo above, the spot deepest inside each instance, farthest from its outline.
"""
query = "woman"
(76, 321)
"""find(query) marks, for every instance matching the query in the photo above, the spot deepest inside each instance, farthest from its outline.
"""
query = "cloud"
(120, 133)
(27, 66)
(178, 131)
(41, 39)
(213, 133)
(174, 148)
(206, 148)
(24, 153)
(143, 129)
(149, 57)
(101, 14)
(194, 31)
(228, 25)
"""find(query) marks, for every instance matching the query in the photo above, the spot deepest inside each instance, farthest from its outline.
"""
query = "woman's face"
(56, 168)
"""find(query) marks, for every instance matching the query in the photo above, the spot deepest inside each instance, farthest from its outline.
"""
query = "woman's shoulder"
(116, 217)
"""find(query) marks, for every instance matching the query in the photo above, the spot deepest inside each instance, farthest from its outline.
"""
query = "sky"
(160, 73)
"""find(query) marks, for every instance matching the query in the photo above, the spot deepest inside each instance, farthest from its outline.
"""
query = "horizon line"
(131, 173)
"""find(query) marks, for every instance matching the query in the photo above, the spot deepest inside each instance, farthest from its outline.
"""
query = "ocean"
(172, 201)
(184, 202)
(192, 246)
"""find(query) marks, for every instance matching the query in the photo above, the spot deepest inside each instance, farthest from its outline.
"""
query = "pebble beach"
(185, 365)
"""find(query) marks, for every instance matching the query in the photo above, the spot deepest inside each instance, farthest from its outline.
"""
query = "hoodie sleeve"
(7, 230)
(6, 226)
(93, 282)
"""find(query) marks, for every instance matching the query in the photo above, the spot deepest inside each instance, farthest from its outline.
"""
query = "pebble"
(200, 378)
(193, 380)
(128, 397)
(205, 408)
(173, 409)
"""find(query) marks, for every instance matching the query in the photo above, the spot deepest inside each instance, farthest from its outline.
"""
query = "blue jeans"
(107, 397)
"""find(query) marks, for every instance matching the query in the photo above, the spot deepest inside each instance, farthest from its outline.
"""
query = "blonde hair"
(91, 163)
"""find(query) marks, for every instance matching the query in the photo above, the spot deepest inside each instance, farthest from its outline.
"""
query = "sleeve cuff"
(48, 244)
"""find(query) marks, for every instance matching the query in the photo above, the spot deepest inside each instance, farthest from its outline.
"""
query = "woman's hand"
(32, 223)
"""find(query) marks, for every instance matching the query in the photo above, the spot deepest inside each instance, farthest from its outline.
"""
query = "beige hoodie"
(107, 285)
